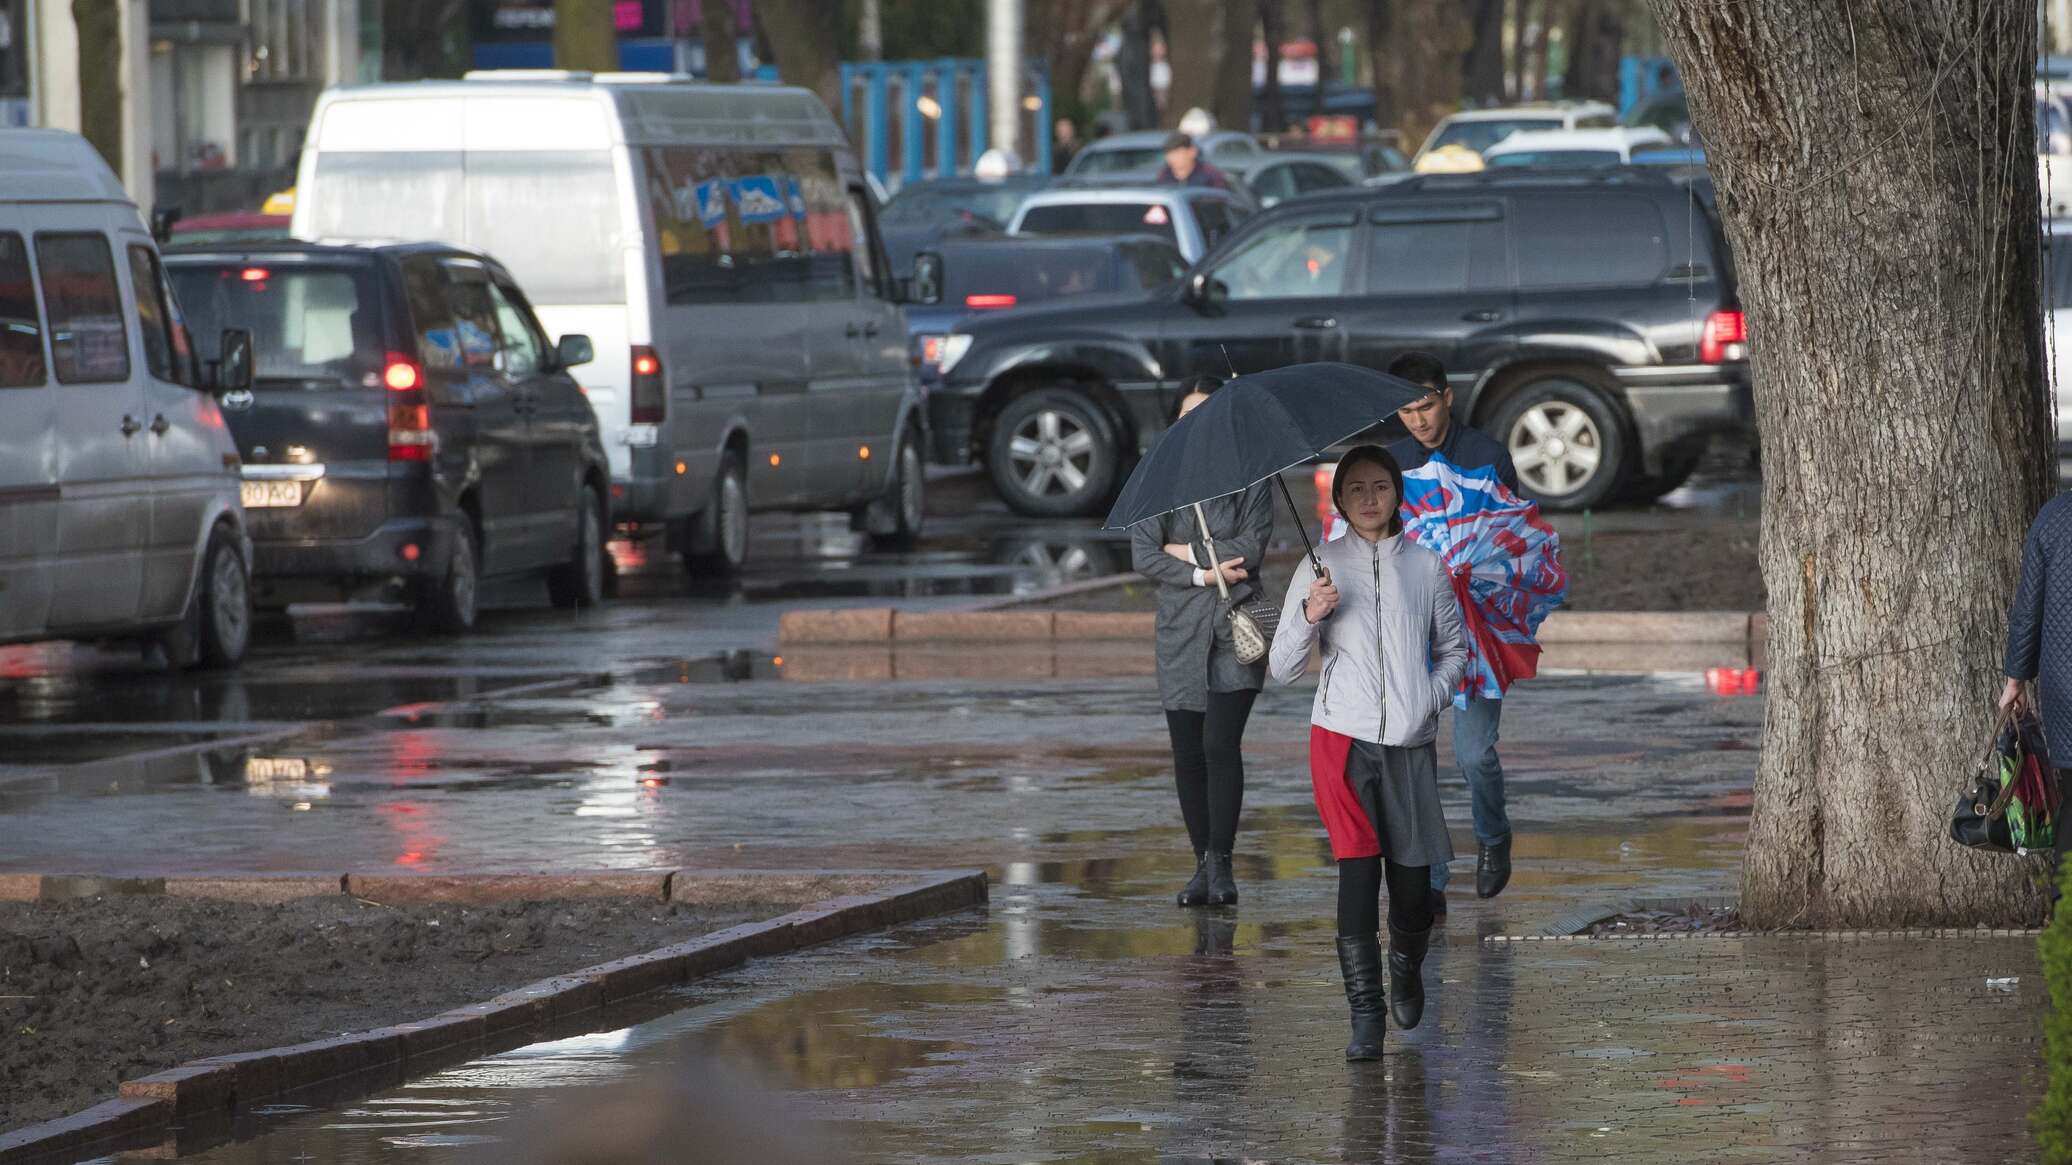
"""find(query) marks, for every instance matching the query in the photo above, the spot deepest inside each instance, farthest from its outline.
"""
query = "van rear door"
(313, 429)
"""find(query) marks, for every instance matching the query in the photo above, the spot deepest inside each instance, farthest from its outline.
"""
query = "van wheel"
(579, 582)
(906, 496)
(722, 542)
(1566, 439)
(450, 604)
(217, 626)
(1053, 454)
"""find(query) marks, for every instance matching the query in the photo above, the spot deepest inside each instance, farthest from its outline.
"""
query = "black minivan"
(409, 429)
(1588, 320)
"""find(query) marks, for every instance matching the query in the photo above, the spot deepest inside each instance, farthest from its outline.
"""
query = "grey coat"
(2039, 623)
(1393, 649)
(1195, 655)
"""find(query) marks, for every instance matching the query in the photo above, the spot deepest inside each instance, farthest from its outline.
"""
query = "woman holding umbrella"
(1207, 694)
(1384, 610)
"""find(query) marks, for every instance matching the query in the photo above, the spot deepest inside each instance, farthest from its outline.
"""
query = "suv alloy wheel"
(1566, 439)
(1053, 454)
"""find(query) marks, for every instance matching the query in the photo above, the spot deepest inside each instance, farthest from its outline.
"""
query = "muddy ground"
(95, 992)
(1713, 568)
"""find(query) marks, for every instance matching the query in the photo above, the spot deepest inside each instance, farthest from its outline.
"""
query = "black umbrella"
(1253, 428)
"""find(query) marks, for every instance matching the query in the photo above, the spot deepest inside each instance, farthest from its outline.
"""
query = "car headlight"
(954, 346)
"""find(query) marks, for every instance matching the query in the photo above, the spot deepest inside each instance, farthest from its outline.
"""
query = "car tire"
(906, 496)
(1647, 488)
(1566, 438)
(722, 545)
(1054, 454)
(449, 604)
(217, 626)
(579, 583)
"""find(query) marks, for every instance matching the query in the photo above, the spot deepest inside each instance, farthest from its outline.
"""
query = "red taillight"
(650, 394)
(400, 373)
(253, 274)
(985, 302)
(1726, 338)
(409, 431)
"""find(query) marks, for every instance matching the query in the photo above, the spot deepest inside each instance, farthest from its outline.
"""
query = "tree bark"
(1536, 67)
(1064, 33)
(1235, 20)
(1133, 65)
(100, 78)
(584, 36)
(1320, 32)
(1194, 49)
(722, 41)
(804, 35)
(1876, 169)
(1482, 68)
(1383, 55)
(1521, 23)
(1596, 31)
(1273, 29)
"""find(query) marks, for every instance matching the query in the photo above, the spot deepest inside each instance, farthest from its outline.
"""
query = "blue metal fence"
(923, 119)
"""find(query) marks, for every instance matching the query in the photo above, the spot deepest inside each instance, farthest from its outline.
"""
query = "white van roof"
(650, 112)
(50, 165)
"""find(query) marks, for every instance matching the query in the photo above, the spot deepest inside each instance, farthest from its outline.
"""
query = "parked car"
(1589, 321)
(409, 430)
(2057, 321)
(1569, 148)
(2054, 148)
(1138, 155)
(1274, 178)
(117, 480)
(928, 212)
(1192, 218)
(1479, 129)
(985, 275)
(750, 350)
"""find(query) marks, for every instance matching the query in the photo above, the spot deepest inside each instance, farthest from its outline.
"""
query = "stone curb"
(1570, 927)
(148, 1107)
(884, 625)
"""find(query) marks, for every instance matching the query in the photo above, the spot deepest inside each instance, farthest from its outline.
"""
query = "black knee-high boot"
(1406, 974)
(1359, 960)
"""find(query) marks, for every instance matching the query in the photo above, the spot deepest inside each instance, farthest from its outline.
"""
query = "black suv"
(1588, 321)
(409, 429)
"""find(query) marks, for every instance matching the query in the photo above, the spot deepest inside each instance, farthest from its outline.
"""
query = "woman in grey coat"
(1393, 650)
(1207, 694)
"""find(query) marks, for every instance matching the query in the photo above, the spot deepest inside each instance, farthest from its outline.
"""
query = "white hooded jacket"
(1394, 649)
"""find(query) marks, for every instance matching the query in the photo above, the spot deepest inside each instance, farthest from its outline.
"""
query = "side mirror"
(574, 349)
(1201, 290)
(163, 220)
(234, 368)
(926, 283)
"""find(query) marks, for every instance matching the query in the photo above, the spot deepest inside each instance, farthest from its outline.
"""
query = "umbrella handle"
(1215, 566)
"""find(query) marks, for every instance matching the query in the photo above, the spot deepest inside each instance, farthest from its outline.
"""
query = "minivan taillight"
(650, 396)
(1726, 338)
(409, 417)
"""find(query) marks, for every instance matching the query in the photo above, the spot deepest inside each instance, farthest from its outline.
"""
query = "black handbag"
(2011, 804)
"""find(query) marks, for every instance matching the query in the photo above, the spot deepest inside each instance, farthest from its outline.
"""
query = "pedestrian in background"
(2039, 638)
(1207, 694)
(1064, 144)
(1434, 431)
(1393, 652)
(1184, 166)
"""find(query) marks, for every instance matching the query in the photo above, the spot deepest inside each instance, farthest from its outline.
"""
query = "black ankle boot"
(1492, 869)
(1359, 961)
(1406, 975)
(1222, 885)
(1196, 891)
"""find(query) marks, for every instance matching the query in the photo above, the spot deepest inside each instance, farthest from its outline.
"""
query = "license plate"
(261, 769)
(259, 494)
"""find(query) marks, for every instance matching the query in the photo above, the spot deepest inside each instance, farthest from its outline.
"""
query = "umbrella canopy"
(1505, 561)
(1253, 428)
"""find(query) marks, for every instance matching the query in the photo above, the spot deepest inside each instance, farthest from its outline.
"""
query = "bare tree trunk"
(722, 47)
(1064, 32)
(1383, 54)
(1235, 20)
(1482, 69)
(1273, 29)
(1596, 30)
(1877, 174)
(100, 78)
(1536, 60)
(1320, 32)
(1194, 50)
(1514, 81)
(584, 36)
(1133, 64)
(804, 35)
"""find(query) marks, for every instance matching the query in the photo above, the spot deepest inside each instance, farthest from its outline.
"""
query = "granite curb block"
(883, 625)
(1569, 927)
(148, 1107)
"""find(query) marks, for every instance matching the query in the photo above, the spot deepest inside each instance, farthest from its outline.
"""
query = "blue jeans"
(1474, 749)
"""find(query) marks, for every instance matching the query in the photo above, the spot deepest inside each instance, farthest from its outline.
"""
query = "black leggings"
(1209, 768)
(1359, 896)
